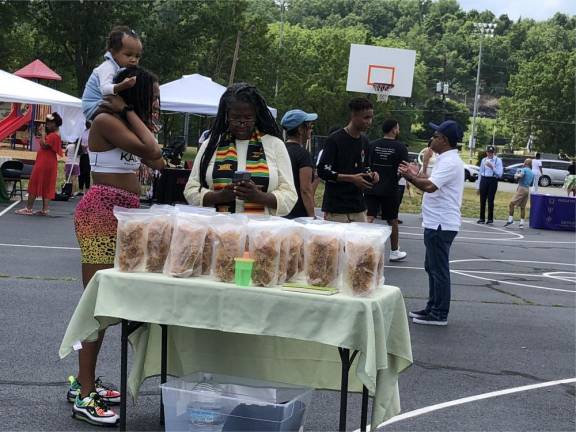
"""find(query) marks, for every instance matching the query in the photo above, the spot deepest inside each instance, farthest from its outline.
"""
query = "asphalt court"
(498, 365)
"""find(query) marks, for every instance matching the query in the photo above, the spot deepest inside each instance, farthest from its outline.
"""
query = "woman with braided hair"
(244, 137)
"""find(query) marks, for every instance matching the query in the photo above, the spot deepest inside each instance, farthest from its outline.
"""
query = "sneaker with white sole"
(105, 391)
(521, 225)
(93, 409)
(418, 314)
(507, 224)
(431, 319)
(397, 255)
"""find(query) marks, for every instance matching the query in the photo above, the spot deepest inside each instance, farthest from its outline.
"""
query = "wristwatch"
(125, 110)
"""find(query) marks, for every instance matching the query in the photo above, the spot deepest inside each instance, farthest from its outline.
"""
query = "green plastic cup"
(243, 271)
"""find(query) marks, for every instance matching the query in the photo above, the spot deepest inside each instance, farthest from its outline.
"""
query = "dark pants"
(437, 266)
(84, 177)
(488, 188)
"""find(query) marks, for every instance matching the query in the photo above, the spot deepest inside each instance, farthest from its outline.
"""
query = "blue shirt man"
(491, 170)
(525, 178)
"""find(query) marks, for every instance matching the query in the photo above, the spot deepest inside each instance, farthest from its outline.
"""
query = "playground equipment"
(16, 119)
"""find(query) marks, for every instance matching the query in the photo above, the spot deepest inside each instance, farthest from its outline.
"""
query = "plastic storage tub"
(205, 402)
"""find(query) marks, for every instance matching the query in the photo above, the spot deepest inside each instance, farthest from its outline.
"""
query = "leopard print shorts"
(96, 224)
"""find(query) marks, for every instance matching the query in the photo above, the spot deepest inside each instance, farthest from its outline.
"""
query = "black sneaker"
(418, 314)
(431, 319)
(508, 223)
(480, 221)
(489, 222)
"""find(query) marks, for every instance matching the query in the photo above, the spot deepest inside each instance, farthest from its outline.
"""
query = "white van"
(553, 172)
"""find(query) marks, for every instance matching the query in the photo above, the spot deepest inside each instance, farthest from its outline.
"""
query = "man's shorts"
(345, 217)
(521, 196)
(385, 206)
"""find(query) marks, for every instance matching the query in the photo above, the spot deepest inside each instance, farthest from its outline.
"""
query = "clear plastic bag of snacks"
(229, 242)
(159, 237)
(322, 250)
(363, 259)
(131, 239)
(186, 249)
(265, 241)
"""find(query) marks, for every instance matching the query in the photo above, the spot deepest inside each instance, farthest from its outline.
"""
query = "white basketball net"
(382, 91)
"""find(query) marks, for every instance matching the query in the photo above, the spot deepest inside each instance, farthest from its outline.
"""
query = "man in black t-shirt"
(345, 166)
(386, 154)
(298, 126)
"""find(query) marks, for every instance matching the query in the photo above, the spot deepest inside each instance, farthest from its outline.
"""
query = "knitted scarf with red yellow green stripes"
(226, 163)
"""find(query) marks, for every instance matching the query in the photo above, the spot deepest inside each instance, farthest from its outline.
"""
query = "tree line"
(296, 52)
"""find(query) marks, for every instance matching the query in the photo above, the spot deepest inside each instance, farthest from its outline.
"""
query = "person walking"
(525, 178)
(386, 154)
(491, 170)
(43, 178)
(345, 166)
(441, 218)
(84, 177)
(537, 171)
(298, 126)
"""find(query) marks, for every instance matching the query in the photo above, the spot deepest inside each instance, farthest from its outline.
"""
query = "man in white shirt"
(441, 217)
(491, 169)
(537, 171)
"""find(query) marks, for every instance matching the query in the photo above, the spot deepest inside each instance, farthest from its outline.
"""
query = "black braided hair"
(141, 96)
(265, 122)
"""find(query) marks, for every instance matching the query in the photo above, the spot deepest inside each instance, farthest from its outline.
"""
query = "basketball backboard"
(370, 64)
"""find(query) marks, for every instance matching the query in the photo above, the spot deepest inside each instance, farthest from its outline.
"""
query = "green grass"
(470, 203)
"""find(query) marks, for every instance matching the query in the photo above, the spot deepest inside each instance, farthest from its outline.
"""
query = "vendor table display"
(261, 332)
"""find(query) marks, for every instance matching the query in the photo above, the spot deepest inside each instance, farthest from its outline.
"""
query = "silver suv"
(553, 172)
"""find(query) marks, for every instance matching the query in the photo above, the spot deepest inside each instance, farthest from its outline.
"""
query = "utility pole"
(281, 40)
(485, 30)
(235, 59)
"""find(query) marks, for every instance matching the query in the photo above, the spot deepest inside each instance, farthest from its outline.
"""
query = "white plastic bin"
(205, 402)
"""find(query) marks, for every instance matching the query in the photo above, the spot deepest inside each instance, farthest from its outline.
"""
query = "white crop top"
(114, 161)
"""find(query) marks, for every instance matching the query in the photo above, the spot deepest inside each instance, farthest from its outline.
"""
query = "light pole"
(442, 88)
(484, 30)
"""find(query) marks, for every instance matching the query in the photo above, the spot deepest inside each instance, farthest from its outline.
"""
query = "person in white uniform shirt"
(441, 217)
(537, 171)
(491, 170)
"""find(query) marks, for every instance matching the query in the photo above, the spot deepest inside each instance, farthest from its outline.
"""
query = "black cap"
(450, 129)
(490, 149)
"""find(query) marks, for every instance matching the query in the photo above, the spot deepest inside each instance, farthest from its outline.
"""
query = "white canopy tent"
(194, 94)
(16, 89)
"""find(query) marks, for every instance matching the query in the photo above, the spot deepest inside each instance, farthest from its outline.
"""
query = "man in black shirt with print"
(386, 154)
(345, 166)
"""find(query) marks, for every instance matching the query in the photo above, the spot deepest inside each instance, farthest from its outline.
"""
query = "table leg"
(346, 363)
(163, 367)
(123, 374)
(364, 413)
(127, 328)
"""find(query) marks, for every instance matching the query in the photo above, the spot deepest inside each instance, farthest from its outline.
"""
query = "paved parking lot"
(498, 365)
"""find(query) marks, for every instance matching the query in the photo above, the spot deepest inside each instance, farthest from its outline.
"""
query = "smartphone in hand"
(241, 176)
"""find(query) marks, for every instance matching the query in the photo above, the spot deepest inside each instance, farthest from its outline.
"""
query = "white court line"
(556, 275)
(463, 273)
(511, 260)
(426, 410)
(39, 247)
(10, 207)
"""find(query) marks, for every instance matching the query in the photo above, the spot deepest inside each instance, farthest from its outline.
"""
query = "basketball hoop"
(382, 90)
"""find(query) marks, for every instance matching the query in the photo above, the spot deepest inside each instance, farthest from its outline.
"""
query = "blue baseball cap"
(294, 118)
(451, 130)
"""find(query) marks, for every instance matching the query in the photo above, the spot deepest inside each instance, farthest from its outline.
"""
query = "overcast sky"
(536, 9)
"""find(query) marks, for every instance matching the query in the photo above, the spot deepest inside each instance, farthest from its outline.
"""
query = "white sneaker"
(521, 225)
(397, 255)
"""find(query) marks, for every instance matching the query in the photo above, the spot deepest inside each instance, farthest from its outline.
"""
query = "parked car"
(471, 172)
(509, 171)
(554, 172)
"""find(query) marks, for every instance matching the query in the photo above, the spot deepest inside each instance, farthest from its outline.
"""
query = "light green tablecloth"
(262, 333)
